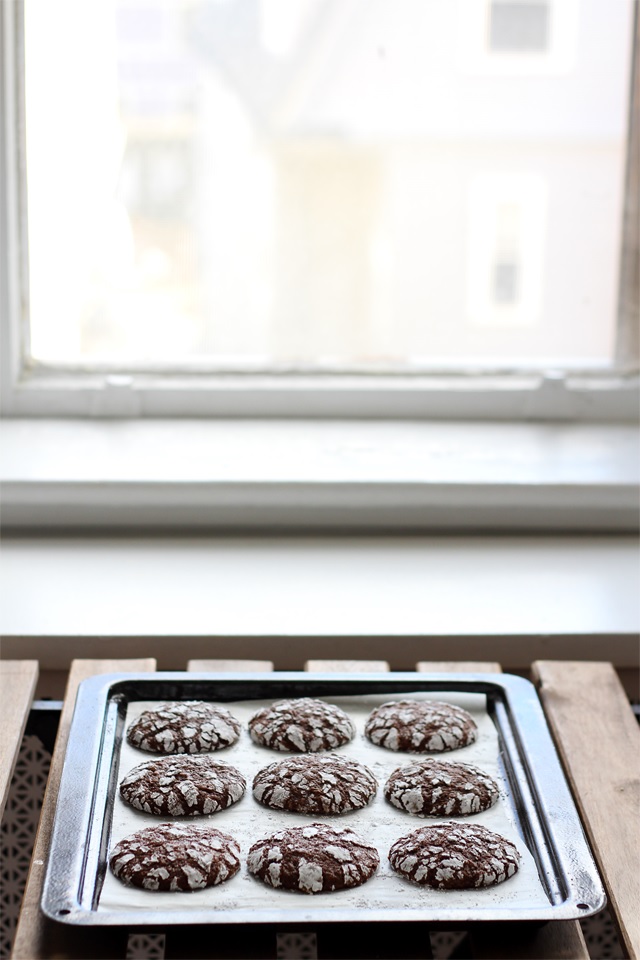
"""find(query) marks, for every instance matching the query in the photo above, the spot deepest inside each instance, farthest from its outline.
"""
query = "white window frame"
(39, 391)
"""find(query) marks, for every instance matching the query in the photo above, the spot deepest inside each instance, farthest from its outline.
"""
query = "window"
(518, 27)
(528, 38)
(242, 195)
(507, 282)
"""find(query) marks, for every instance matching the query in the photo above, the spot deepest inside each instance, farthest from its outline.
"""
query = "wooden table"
(599, 744)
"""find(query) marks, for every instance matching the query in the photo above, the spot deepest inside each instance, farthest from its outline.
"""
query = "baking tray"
(534, 796)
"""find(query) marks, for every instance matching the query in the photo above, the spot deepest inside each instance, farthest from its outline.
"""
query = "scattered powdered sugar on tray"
(247, 821)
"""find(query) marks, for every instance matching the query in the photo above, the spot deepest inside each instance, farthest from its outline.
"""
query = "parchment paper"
(379, 823)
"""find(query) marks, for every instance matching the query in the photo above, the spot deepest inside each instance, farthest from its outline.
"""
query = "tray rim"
(584, 892)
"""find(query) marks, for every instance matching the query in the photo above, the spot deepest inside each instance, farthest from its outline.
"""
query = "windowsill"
(330, 475)
(192, 591)
(512, 599)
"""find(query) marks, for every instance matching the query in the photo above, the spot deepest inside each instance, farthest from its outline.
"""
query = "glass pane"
(367, 184)
(520, 26)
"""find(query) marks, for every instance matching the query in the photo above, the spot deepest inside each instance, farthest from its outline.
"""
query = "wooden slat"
(347, 666)
(18, 680)
(36, 937)
(229, 666)
(458, 666)
(598, 740)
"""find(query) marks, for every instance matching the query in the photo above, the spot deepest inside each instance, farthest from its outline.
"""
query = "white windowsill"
(309, 475)
(192, 590)
(513, 599)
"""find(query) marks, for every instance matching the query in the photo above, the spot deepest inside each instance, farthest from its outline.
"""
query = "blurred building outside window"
(325, 184)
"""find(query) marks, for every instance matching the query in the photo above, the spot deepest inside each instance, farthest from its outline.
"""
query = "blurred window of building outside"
(519, 26)
(361, 185)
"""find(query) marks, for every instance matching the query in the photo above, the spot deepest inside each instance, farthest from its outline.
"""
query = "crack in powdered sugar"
(313, 859)
(190, 726)
(439, 788)
(175, 857)
(455, 856)
(420, 726)
(315, 784)
(301, 726)
(182, 786)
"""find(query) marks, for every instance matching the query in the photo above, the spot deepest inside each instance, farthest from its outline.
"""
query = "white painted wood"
(532, 596)
(392, 475)
(11, 224)
(511, 396)
(197, 451)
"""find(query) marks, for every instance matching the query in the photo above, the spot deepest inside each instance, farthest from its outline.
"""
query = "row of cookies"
(325, 784)
(314, 858)
(303, 725)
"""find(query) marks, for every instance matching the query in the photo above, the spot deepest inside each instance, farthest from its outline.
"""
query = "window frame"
(37, 390)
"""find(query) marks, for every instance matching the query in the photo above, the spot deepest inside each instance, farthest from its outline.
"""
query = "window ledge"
(318, 474)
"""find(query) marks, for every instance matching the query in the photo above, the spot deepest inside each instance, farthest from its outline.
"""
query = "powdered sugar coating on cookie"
(189, 726)
(313, 859)
(455, 856)
(176, 857)
(315, 783)
(182, 786)
(440, 788)
(301, 726)
(420, 726)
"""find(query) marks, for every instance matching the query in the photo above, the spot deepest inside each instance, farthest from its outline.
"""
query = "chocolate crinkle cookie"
(313, 859)
(175, 856)
(420, 726)
(301, 726)
(182, 786)
(189, 726)
(438, 788)
(315, 784)
(455, 856)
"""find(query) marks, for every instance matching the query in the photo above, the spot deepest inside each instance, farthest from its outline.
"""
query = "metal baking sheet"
(557, 880)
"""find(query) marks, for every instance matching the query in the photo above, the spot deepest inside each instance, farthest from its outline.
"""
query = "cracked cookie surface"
(182, 786)
(189, 726)
(315, 783)
(455, 856)
(420, 726)
(304, 725)
(176, 857)
(441, 788)
(313, 859)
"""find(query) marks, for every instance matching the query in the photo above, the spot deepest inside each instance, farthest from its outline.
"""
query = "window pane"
(362, 184)
(519, 26)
